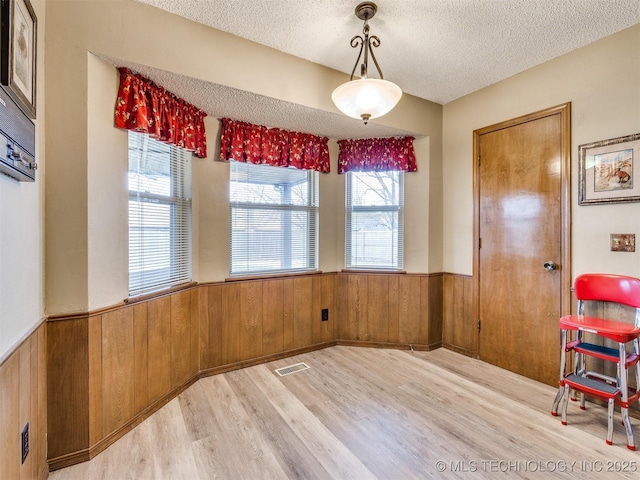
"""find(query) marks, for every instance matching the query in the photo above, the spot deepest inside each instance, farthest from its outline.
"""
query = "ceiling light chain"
(366, 98)
(366, 43)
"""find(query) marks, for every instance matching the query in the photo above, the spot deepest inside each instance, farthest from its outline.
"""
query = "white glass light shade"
(366, 97)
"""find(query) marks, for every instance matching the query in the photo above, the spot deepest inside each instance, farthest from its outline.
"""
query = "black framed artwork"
(18, 35)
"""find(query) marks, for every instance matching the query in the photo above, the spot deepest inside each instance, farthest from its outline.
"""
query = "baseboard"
(395, 346)
(68, 459)
(84, 455)
(457, 349)
(266, 359)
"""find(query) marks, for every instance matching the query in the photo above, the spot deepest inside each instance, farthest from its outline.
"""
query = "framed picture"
(609, 171)
(18, 35)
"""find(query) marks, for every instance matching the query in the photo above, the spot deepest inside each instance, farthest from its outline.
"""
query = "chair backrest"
(608, 288)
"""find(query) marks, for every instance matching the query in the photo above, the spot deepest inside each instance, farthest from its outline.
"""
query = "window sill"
(373, 271)
(159, 293)
(272, 276)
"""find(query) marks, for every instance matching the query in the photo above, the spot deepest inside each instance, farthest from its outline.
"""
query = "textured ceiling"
(224, 102)
(438, 50)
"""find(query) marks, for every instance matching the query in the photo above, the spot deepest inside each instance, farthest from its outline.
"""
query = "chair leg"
(563, 361)
(610, 422)
(581, 368)
(556, 402)
(576, 370)
(636, 350)
(627, 426)
(565, 404)
(624, 391)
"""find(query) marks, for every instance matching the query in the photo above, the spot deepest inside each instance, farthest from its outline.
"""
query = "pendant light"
(366, 98)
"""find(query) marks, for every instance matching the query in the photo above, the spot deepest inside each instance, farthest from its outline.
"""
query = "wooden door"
(522, 223)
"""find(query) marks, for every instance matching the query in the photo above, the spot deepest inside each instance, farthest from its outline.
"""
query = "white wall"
(107, 189)
(211, 198)
(86, 225)
(417, 213)
(21, 231)
(602, 82)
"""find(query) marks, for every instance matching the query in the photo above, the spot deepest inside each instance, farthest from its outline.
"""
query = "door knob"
(550, 266)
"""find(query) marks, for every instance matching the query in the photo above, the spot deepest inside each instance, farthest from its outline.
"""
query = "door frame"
(564, 110)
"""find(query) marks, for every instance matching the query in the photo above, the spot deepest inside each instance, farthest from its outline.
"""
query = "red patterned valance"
(146, 107)
(376, 155)
(245, 142)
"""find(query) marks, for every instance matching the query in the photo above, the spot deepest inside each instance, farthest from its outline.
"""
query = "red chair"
(603, 288)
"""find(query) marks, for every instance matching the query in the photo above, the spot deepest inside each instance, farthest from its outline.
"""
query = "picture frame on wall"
(18, 36)
(609, 171)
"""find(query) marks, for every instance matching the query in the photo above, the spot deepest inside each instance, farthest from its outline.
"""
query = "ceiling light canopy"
(366, 98)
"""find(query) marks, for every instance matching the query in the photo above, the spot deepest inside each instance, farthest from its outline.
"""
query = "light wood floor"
(362, 413)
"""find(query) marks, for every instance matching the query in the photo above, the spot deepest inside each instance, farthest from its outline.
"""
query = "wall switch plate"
(325, 314)
(623, 242)
(25, 442)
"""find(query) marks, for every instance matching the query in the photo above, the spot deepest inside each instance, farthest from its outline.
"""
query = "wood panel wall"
(109, 370)
(23, 400)
(460, 329)
(386, 310)
(244, 322)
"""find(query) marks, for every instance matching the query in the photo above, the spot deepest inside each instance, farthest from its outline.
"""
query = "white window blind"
(274, 219)
(374, 220)
(159, 214)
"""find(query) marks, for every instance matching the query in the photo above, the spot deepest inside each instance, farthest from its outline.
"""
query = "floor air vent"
(298, 367)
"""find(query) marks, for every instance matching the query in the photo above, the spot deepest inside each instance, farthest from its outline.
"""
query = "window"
(374, 220)
(159, 214)
(274, 219)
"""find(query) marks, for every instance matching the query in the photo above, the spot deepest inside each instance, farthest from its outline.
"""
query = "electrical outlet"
(623, 242)
(325, 314)
(25, 442)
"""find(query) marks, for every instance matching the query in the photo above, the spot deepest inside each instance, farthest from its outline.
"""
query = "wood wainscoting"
(397, 311)
(460, 330)
(111, 369)
(23, 400)
(253, 321)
